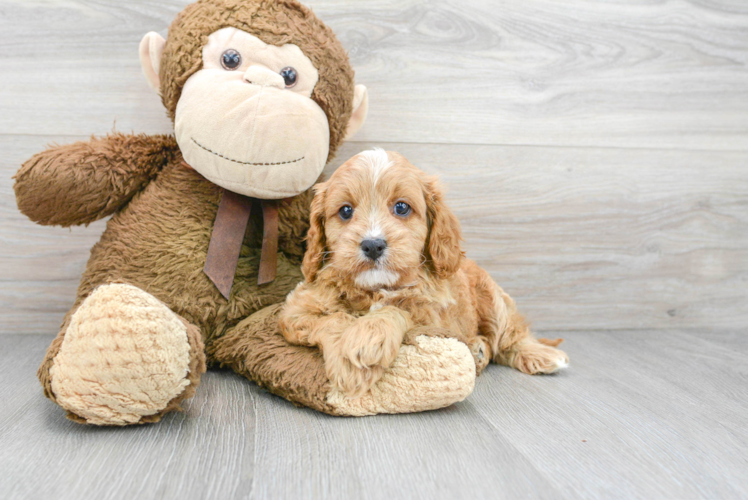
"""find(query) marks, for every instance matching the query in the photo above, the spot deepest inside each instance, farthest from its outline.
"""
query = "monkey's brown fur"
(275, 22)
(163, 212)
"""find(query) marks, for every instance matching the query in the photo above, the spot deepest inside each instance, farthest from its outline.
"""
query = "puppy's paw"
(535, 358)
(370, 343)
(353, 381)
(481, 351)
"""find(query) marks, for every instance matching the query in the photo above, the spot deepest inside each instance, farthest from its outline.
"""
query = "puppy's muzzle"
(373, 249)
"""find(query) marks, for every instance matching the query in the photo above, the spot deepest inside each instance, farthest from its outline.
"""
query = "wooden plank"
(582, 238)
(604, 239)
(639, 414)
(41, 266)
(626, 74)
(451, 453)
(207, 451)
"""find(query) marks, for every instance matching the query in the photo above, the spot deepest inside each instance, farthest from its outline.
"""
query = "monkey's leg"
(122, 357)
(433, 373)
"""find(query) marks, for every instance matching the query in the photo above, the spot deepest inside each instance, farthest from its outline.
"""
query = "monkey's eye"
(289, 76)
(231, 59)
(402, 209)
(345, 212)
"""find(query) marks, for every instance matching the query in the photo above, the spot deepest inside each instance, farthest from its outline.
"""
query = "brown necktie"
(228, 235)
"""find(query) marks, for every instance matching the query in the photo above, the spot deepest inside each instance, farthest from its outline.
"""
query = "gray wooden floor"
(597, 156)
(639, 414)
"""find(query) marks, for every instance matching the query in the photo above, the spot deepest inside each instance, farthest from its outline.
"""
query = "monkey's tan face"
(246, 120)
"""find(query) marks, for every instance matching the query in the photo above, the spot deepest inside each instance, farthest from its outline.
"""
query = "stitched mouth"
(245, 162)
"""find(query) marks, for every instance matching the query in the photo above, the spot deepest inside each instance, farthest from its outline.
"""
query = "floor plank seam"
(681, 148)
(254, 447)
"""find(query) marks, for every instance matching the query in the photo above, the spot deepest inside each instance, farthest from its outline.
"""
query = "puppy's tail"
(552, 343)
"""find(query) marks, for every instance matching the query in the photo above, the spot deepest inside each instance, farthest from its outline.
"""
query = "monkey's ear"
(360, 107)
(151, 48)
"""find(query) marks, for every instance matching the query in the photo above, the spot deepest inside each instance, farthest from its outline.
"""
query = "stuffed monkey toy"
(207, 226)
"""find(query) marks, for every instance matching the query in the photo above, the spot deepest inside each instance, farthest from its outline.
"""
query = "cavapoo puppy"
(384, 260)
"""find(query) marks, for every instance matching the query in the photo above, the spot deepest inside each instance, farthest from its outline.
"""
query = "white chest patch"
(376, 278)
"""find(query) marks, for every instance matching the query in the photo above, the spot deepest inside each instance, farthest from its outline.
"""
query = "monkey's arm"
(85, 181)
(432, 373)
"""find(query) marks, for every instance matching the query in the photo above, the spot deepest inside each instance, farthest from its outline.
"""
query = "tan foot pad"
(435, 374)
(125, 355)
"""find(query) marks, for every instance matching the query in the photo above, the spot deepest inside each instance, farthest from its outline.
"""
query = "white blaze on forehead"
(374, 232)
(373, 279)
(376, 160)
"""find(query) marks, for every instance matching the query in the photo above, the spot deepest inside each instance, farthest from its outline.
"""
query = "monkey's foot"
(125, 358)
(434, 373)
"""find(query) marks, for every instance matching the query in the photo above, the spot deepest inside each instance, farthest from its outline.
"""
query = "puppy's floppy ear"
(443, 245)
(315, 238)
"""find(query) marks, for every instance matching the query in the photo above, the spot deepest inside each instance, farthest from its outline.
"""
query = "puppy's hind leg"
(508, 334)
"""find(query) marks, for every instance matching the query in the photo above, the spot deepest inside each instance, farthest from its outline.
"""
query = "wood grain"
(576, 73)
(639, 414)
(596, 154)
(582, 238)
(205, 452)
(666, 406)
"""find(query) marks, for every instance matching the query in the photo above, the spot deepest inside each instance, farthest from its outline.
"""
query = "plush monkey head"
(261, 93)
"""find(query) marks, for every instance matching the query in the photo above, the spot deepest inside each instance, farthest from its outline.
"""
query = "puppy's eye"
(402, 209)
(231, 59)
(345, 212)
(289, 76)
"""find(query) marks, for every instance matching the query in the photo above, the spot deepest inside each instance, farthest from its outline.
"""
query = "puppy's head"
(378, 221)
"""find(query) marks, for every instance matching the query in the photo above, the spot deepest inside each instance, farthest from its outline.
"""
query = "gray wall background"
(596, 153)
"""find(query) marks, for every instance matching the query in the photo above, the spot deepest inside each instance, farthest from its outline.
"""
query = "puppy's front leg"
(313, 317)
(375, 339)
(366, 348)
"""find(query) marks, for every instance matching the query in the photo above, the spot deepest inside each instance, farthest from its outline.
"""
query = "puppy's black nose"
(373, 249)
